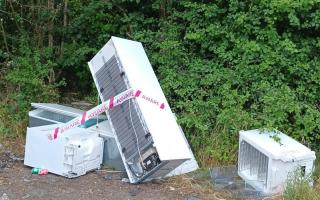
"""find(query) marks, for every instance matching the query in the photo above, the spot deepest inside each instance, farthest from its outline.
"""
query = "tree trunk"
(65, 22)
(13, 12)
(50, 25)
(4, 36)
(163, 8)
(39, 31)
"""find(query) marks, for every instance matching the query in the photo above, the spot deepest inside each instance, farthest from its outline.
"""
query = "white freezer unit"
(267, 164)
(142, 130)
(72, 154)
(48, 113)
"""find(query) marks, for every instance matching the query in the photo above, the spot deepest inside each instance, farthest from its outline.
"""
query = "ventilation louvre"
(111, 82)
(253, 162)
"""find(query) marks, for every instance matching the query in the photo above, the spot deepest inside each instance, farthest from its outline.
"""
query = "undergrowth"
(298, 188)
(224, 66)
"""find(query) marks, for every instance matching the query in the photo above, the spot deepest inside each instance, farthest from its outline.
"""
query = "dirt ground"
(17, 182)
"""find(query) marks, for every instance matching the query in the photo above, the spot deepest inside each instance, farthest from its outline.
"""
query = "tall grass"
(299, 188)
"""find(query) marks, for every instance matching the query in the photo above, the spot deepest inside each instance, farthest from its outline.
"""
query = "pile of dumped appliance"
(133, 129)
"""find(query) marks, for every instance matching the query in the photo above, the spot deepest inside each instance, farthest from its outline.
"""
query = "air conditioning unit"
(267, 158)
(71, 155)
(148, 137)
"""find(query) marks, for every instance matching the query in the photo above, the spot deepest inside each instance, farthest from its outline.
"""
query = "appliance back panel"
(111, 82)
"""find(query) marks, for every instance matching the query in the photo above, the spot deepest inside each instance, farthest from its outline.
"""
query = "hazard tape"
(107, 105)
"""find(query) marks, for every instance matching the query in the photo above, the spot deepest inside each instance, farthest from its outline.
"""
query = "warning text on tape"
(107, 105)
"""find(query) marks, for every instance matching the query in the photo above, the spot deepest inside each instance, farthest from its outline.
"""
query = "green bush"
(29, 79)
(223, 65)
(227, 66)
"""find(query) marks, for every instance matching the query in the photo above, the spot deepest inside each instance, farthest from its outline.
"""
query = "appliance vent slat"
(253, 161)
(109, 78)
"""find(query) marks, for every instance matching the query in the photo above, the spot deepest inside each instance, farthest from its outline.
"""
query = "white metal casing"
(168, 139)
(72, 154)
(60, 109)
(284, 158)
(188, 165)
(104, 130)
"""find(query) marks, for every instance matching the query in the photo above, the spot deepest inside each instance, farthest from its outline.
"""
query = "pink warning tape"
(162, 106)
(55, 134)
(107, 105)
(83, 117)
(138, 92)
(111, 103)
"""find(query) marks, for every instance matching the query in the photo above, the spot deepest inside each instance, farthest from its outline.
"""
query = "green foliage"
(227, 66)
(31, 80)
(223, 65)
(31, 74)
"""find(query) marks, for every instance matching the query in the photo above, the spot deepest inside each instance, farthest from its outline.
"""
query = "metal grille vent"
(253, 162)
(110, 80)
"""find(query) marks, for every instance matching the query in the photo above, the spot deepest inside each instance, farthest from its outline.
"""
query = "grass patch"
(298, 188)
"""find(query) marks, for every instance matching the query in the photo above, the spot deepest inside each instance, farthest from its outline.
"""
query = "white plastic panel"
(37, 153)
(60, 109)
(188, 165)
(71, 155)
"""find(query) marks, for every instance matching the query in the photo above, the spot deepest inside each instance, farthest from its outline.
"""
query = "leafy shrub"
(227, 66)
(223, 65)
(30, 79)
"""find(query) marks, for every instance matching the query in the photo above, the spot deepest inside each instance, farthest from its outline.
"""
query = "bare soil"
(17, 182)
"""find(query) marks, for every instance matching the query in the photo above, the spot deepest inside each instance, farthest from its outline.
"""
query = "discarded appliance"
(111, 154)
(186, 166)
(266, 163)
(142, 130)
(148, 137)
(48, 113)
(71, 155)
